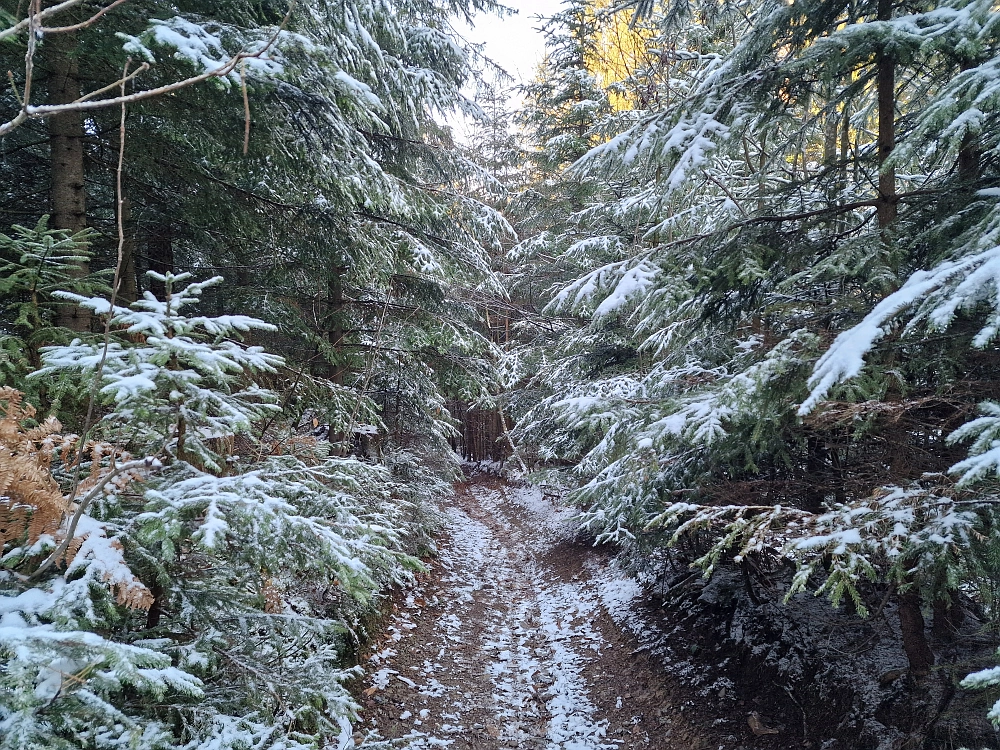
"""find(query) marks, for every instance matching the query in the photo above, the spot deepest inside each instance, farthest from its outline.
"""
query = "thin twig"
(117, 84)
(120, 201)
(29, 56)
(58, 552)
(83, 24)
(33, 19)
(726, 190)
(246, 108)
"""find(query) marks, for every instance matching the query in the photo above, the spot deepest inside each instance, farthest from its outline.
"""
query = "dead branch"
(86, 104)
(83, 24)
(58, 552)
(41, 16)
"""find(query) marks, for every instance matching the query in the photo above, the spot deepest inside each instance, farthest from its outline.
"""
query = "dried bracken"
(31, 503)
(274, 602)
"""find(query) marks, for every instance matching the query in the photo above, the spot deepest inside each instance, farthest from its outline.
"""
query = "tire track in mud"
(511, 642)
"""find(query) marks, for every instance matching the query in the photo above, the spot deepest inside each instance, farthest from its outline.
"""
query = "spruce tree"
(194, 569)
(773, 199)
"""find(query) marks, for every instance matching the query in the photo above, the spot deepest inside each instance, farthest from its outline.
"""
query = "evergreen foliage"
(196, 568)
(180, 381)
(749, 259)
(35, 265)
(232, 595)
(751, 301)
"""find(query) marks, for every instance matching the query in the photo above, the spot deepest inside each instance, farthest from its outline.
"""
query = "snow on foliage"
(285, 527)
(185, 381)
(247, 573)
(897, 533)
(740, 185)
(981, 680)
(224, 562)
(687, 145)
(618, 284)
(203, 45)
(937, 295)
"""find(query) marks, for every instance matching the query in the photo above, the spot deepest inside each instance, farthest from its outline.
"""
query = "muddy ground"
(514, 640)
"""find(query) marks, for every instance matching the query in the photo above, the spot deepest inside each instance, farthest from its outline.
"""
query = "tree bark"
(156, 609)
(160, 247)
(968, 161)
(817, 475)
(337, 321)
(948, 616)
(67, 189)
(335, 335)
(911, 625)
(968, 154)
(831, 131)
(886, 84)
(845, 139)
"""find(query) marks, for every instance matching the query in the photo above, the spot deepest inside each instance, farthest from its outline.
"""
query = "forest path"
(511, 641)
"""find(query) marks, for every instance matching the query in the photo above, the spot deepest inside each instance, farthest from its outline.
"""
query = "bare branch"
(83, 24)
(246, 108)
(84, 103)
(47, 13)
(85, 502)
(119, 84)
(29, 57)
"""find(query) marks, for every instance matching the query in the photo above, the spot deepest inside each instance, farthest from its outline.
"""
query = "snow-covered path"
(511, 642)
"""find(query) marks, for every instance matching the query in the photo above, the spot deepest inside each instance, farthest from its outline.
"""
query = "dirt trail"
(511, 641)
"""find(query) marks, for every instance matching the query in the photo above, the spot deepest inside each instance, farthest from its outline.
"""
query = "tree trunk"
(948, 616)
(911, 625)
(817, 475)
(67, 189)
(968, 154)
(886, 126)
(968, 161)
(335, 335)
(160, 247)
(831, 131)
(156, 609)
(337, 322)
(845, 140)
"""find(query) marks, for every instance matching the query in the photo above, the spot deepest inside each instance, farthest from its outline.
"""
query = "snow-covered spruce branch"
(29, 111)
(739, 529)
(889, 537)
(982, 680)
(149, 463)
(936, 296)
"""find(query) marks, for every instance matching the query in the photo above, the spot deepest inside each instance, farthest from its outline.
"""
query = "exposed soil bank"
(830, 679)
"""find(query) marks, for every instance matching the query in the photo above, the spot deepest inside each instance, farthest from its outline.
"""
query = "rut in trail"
(511, 642)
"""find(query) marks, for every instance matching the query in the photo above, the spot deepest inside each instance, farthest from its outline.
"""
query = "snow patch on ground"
(511, 639)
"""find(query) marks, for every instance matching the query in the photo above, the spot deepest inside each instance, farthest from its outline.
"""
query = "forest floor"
(519, 637)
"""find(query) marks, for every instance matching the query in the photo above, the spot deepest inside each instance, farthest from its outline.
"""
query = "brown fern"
(274, 602)
(31, 502)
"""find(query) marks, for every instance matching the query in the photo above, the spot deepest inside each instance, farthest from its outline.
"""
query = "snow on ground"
(504, 645)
